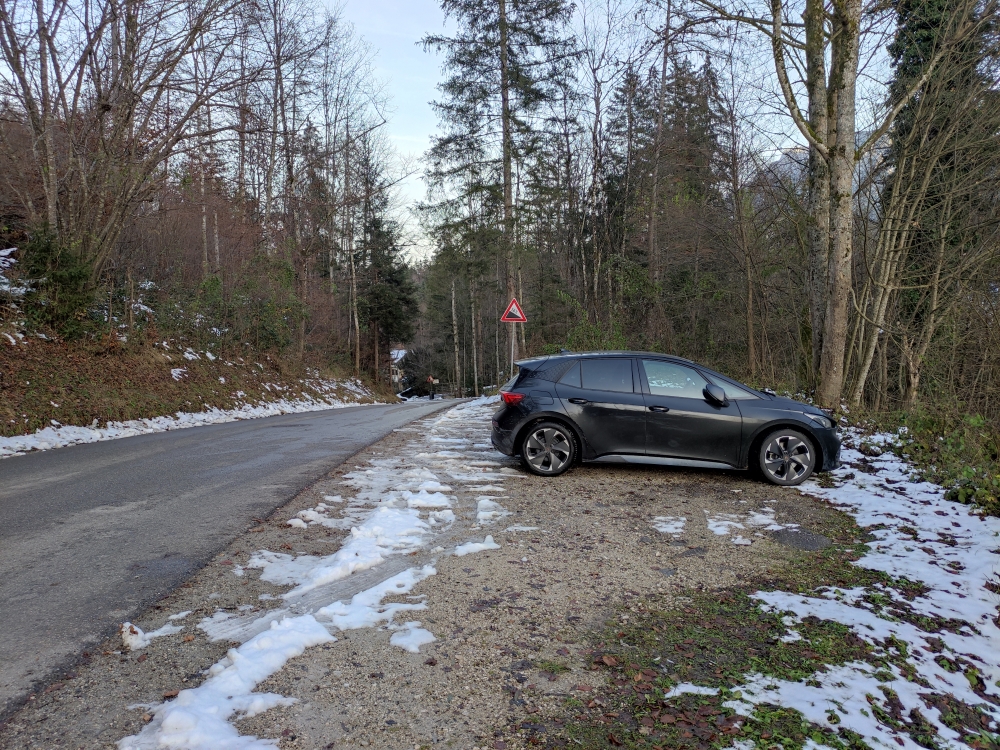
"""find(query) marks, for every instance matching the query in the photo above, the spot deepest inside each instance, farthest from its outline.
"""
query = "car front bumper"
(829, 442)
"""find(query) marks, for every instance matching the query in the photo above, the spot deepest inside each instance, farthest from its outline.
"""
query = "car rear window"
(669, 379)
(607, 375)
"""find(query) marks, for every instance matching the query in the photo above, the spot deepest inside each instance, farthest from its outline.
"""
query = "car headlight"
(824, 422)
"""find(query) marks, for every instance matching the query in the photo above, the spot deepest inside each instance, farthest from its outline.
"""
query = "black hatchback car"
(643, 408)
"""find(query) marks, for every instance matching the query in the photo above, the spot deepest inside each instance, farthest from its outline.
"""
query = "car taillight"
(511, 398)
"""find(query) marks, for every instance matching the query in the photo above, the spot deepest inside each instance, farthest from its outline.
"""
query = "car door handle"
(579, 401)
(659, 408)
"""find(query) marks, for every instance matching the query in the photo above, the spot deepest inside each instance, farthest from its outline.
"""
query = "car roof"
(612, 353)
(566, 355)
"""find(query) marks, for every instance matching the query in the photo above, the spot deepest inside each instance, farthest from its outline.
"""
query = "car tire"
(548, 449)
(786, 457)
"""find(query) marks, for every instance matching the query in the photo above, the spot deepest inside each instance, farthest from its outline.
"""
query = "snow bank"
(60, 437)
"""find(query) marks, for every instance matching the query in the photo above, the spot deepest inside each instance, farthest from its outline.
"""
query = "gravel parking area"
(513, 626)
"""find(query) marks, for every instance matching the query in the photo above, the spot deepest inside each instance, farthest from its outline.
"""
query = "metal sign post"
(513, 314)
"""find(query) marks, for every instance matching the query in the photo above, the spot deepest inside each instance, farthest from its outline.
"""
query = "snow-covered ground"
(402, 504)
(60, 436)
(925, 539)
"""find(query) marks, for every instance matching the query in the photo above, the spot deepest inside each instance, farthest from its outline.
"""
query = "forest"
(799, 193)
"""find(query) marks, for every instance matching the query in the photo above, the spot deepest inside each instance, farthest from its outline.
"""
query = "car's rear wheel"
(548, 449)
(787, 457)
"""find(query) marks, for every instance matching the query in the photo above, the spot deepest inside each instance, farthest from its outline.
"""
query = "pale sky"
(394, 29)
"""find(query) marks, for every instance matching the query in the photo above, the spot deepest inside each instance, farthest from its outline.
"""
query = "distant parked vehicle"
(643, 408)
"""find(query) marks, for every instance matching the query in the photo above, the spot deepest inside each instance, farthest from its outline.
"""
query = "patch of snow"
(199, 717)
(134, 638)
(724, 524)
(387, 531)
(669, 524)
(469, 547)
(686, 688)
(178, 373)
(366, 609)
(489, 510)
(180, 615)
(411, 637)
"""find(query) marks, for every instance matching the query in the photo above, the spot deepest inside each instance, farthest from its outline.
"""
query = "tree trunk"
(475, 339)
(654, 252)
(818, 184)
(843, 82)
(454, 335)
(508, 156)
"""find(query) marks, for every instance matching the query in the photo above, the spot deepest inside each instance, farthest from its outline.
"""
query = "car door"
(680, 421)
(602, 395)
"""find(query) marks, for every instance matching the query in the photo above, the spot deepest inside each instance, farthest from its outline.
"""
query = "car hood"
(793, 405)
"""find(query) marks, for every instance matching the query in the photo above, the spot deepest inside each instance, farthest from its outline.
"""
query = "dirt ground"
(514, 627)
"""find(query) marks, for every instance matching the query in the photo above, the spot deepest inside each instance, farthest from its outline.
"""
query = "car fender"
(800, 426)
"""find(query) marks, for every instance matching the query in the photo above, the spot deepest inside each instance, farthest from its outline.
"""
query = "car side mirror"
(714, 394)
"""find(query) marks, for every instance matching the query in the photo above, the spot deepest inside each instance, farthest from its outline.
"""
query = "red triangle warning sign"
(514, 313)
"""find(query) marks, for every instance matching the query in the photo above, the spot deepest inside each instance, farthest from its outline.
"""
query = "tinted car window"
(734, 392)
(669, 379)
(572, 376)
(607, 375)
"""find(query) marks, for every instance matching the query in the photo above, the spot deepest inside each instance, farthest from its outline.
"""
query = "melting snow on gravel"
(66, 435)
(923, 538)
(401, 505)
(669, 524)
(725, 524)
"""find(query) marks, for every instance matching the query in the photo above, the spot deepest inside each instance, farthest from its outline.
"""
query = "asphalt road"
(91, 535)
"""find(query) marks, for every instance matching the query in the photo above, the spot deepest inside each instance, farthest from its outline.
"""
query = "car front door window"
(669, 379)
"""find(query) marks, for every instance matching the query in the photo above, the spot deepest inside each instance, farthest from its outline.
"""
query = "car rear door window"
(669, 379)
(572, 376)
(607, 375)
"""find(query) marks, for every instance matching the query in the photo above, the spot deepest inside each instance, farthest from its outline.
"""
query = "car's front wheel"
(787, 457)
(548, 449)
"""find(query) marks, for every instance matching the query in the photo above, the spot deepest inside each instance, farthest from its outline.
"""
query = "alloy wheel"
(548, 450)
(788, 458)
